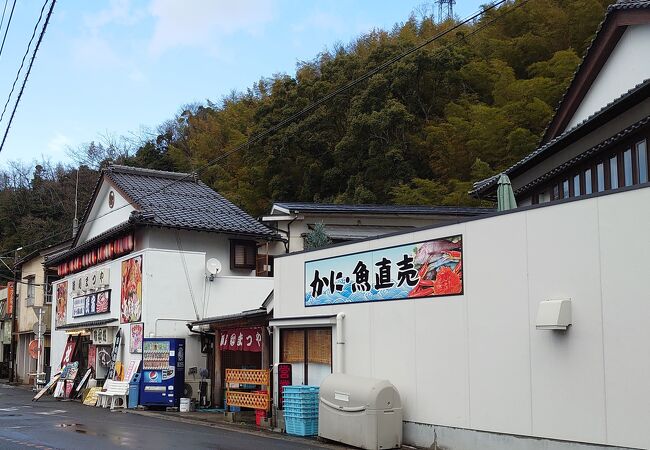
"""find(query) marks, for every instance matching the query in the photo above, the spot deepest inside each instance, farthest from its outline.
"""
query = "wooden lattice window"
(242, 254)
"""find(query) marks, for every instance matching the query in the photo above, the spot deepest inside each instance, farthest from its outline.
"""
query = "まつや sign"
(425, 269)
(244, 339)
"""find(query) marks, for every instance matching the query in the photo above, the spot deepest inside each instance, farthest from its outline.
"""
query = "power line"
(321, 101)
(20, 69)
(4, 10)
(256, 138)
(11, 14)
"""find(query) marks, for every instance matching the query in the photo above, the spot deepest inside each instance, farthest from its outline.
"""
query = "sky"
(116, 67)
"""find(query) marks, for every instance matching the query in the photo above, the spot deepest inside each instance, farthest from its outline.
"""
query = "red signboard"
(68, 353)
(284, 379)
(241, 339)
(92, 356)
(10, 298)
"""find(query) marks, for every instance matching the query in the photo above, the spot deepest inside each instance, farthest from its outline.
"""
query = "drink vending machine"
(163, 371)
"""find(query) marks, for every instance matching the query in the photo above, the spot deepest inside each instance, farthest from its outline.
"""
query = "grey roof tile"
(179, 200)
(306, 207)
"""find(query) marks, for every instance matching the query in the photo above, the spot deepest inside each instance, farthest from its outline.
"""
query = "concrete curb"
(313, 442)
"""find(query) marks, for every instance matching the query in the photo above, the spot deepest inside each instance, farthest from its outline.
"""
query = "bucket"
(185, 405)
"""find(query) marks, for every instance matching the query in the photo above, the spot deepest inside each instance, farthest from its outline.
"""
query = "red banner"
(10, 298)
(241, 339)
(68, 353)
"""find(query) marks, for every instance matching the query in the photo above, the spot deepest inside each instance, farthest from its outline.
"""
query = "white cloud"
(320, 20)
(199, 23)
(58, 144)
(119, 12)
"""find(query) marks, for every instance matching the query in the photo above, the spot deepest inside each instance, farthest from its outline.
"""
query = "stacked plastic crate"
(301, 410)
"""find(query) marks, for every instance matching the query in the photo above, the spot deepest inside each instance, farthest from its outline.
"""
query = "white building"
(344, 223)
(469, 345)
(139, 260)
(473, 369)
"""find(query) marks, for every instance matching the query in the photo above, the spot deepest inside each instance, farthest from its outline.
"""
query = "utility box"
(361, 412)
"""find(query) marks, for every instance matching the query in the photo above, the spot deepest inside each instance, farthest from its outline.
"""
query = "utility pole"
(12, 347)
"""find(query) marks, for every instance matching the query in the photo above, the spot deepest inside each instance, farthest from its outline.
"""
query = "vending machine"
(163, 371)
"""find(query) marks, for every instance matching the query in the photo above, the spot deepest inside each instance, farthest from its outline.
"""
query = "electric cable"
(254, 139)
(11, 14)
(4, 10)
(22, 64)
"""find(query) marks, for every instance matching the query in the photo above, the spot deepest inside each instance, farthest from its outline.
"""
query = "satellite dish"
(213, 266)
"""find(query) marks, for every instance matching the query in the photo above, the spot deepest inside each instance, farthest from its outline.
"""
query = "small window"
(543, 197)
(627, 167)
(588, 188)
(576, 185)
(600, 172)
(556, 192)
(242, 254)
(31, 290)
(613, 172)
(642, 160)
(565, 189)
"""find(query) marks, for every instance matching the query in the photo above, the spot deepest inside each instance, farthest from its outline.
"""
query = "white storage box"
(362, 412)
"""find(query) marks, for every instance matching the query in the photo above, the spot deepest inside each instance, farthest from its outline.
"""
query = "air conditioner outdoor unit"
(193, 390)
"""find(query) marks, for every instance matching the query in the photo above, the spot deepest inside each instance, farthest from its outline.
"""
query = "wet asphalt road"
(53, 424)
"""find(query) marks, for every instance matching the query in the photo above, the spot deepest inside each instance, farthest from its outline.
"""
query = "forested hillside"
(419, 132)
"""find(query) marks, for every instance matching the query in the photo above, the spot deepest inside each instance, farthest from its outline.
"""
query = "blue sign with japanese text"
(424, 269)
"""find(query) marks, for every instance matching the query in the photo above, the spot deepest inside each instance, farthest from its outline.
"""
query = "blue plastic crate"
(301, 401)
(301, 427)
(301, 414)
(299, 389)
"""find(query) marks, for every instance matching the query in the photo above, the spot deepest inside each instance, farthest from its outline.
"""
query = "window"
(556, 192)
(627, 167)
(642, 161)
(565, 189)
(588, 188)
(576, 185)
(309, 351)
(600, 177)
(543, 197)
(31, 290)
(242, 254)
(613, 172)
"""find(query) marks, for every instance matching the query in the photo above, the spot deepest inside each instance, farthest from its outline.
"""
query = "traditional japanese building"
(598, 138)
(345, 223)
(139, 264)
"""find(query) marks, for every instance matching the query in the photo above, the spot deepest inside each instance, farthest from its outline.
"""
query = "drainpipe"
(340, 342)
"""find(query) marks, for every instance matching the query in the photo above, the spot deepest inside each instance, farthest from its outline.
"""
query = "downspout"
(340, 343)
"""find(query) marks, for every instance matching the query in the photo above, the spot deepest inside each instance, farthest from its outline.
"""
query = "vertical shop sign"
(131, 300)
(61, 303)
(10, 298)
(137, 332)
(284, 379)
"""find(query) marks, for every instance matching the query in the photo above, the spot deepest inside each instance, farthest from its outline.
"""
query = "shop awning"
(220, 320)
(89, 324)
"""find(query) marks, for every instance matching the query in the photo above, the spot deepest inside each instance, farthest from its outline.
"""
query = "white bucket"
(185, 405)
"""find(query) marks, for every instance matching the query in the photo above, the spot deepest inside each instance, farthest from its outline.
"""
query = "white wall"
(104, 217)
(477, 361)
(175, 291)
(627, 66)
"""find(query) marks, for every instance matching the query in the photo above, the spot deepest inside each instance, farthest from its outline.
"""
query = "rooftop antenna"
(445, 10)
(75, 221)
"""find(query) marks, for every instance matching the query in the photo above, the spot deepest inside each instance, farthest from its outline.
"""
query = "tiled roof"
(630, 4)
(642, 90)
(586, 154)
(300, 207)
(179, 200)
(619, 5)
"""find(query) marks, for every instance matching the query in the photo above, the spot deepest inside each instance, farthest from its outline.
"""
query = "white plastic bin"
(362, 412)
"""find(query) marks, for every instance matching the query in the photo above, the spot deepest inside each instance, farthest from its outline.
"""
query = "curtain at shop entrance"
(309, 351)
